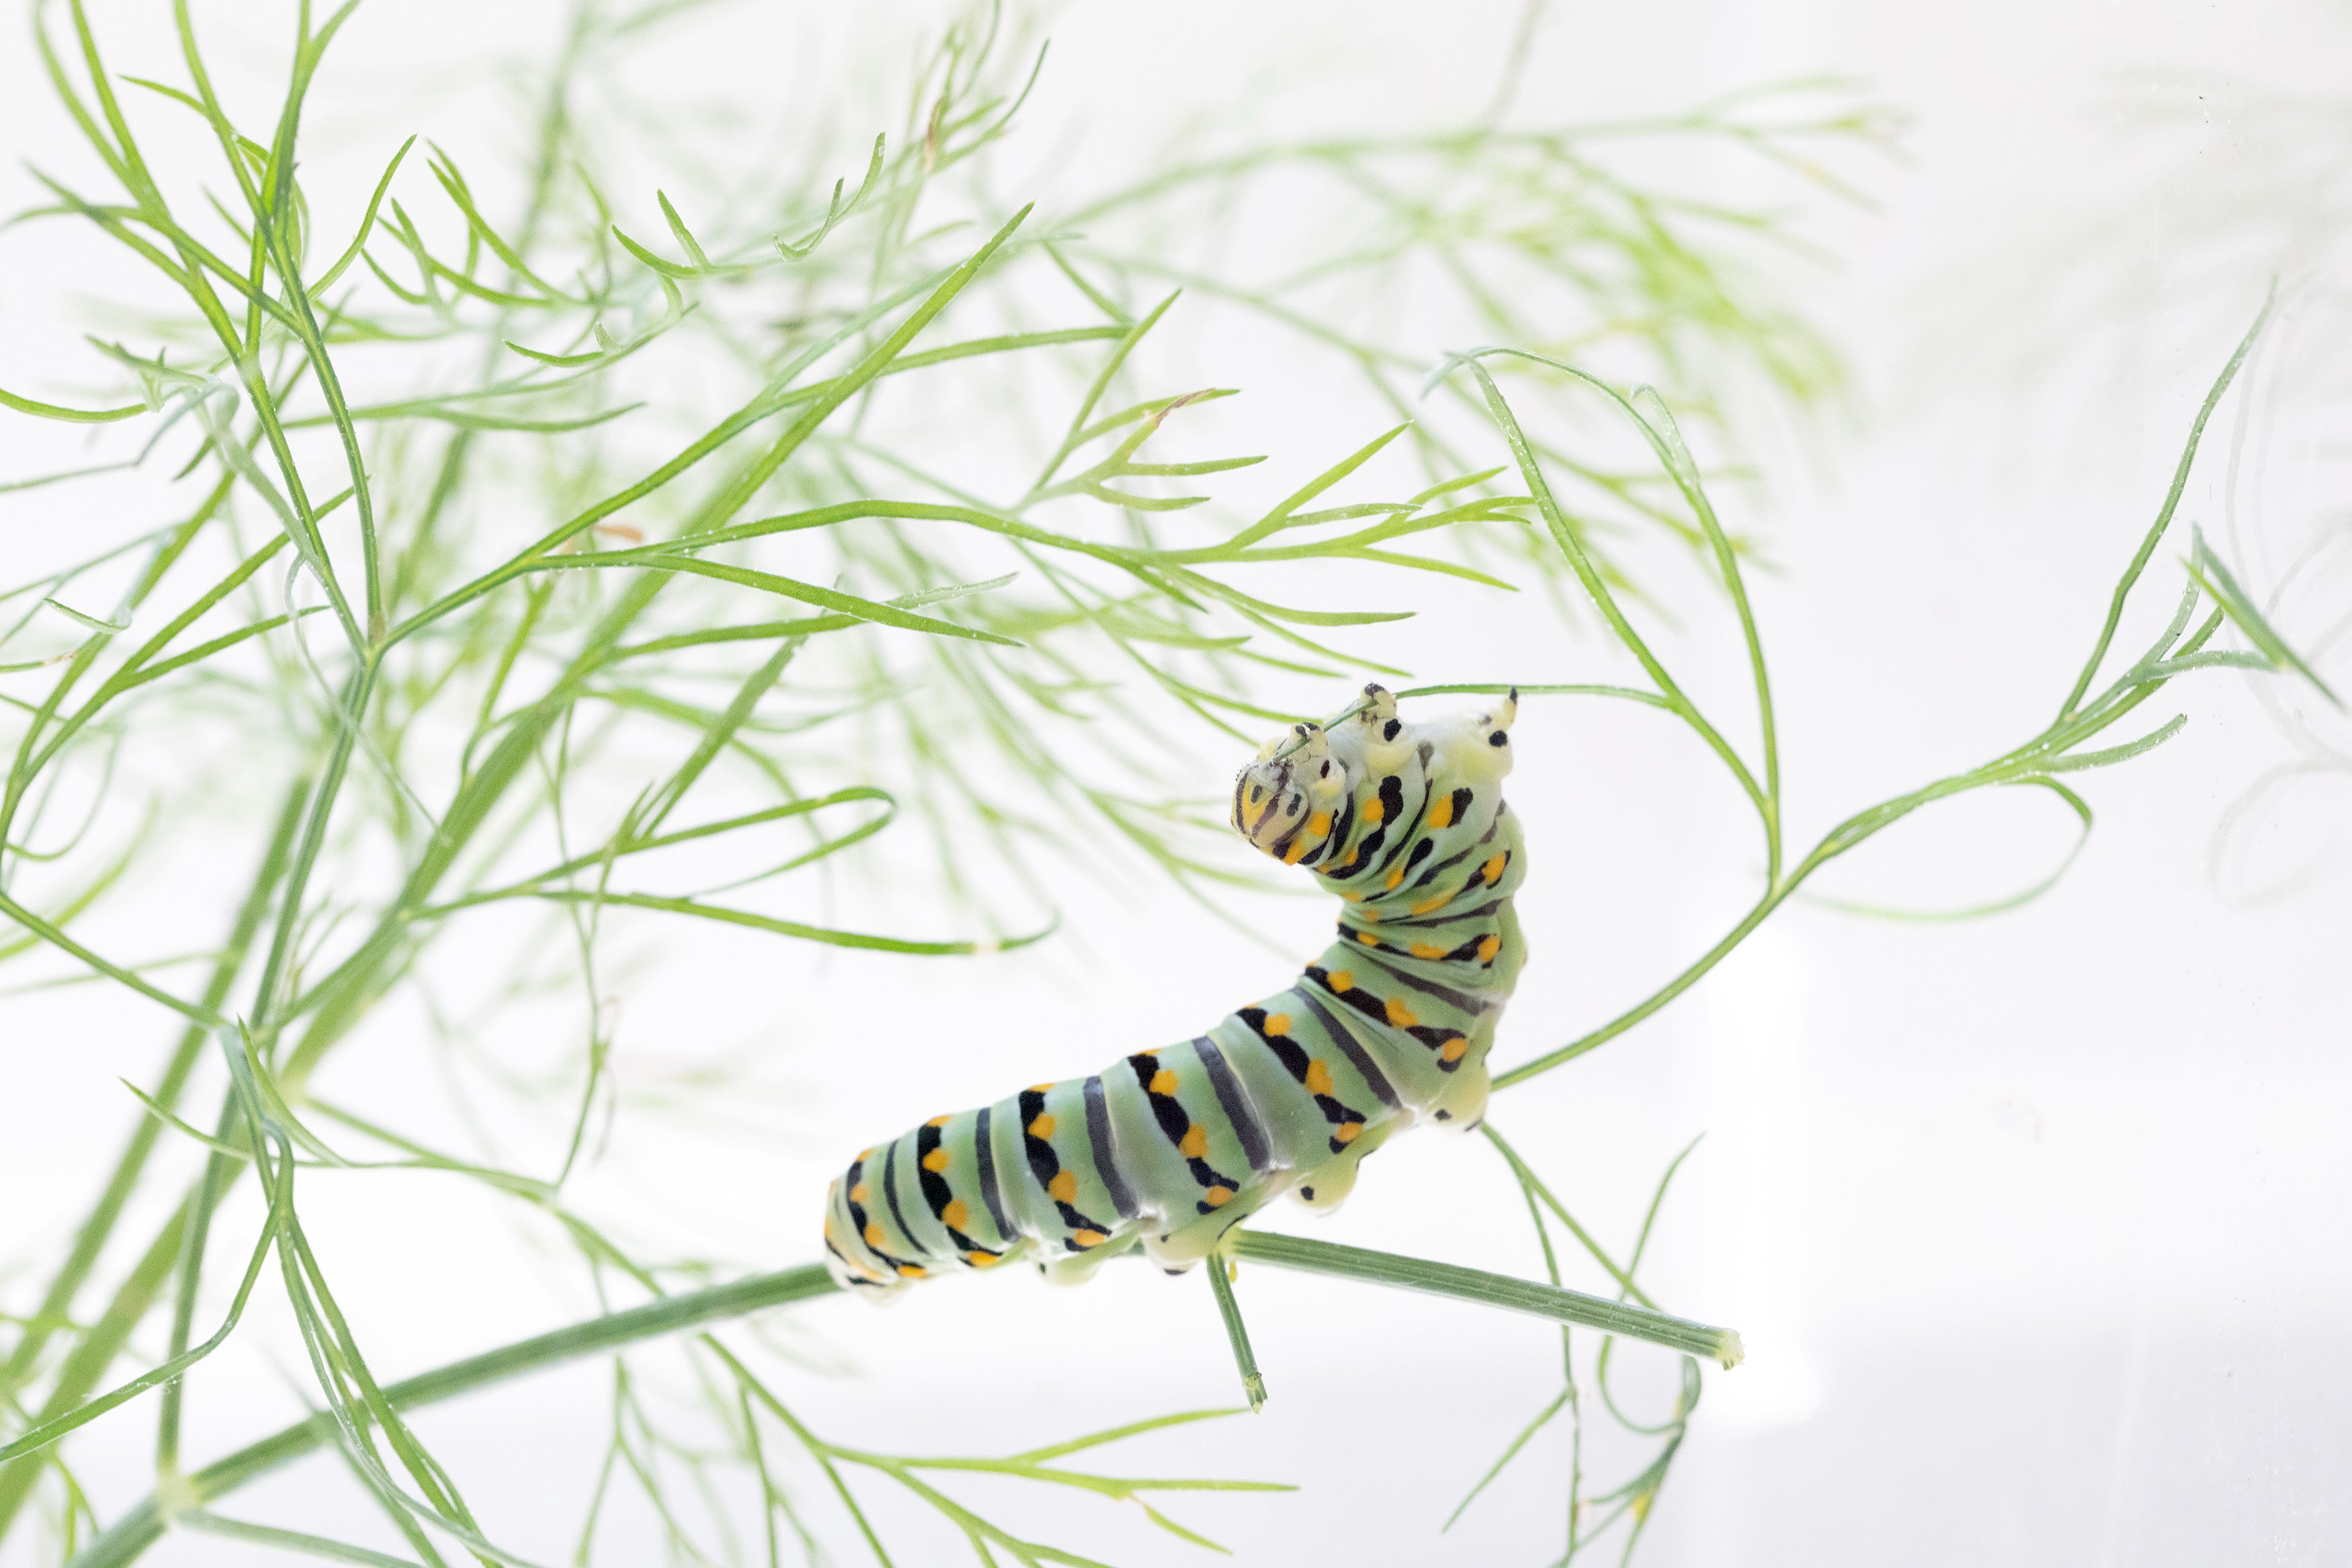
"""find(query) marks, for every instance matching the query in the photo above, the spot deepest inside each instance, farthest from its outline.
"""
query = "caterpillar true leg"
(1169, 1148)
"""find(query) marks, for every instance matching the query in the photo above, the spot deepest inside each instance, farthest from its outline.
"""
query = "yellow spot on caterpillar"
(1487, 947)
(1368, 939)
(860, 1193)
(1353, 897)
(1342, 981)
(1400, 1015)
(978, 1260)
(937, 1160)
(1423, 950)
(1064, 1187)
(1441, 814)
(1042, 1127)
(1217, 1197)
(1318, 1077)
(1371, 915)
(1345, 1131)
(1088, 1237)
(1039, 1088)
(865, 1156)
(873, 1234)
(1493, 870)
(910, 1271)
(955, 1215)
(1194, 1143)
(1278, 1023)
(1396, 879)
(1319, 824)
(1163, 1082)
(1453, 1050)
(938, 1122)
(1296, 852)
(1426, 905)
(1374, 809)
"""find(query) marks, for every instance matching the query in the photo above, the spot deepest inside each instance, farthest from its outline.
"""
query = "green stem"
(220, 1170)
(352, 714)
(1486, 1289)
(57, 1304)
(1221, 1281)
(1672, 988)
(140, 1528)
(2019, 766)
(133, 1301)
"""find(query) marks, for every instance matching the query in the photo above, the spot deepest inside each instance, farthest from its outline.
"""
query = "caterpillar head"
(1284, 802)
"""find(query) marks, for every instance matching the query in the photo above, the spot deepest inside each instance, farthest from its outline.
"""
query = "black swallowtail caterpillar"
(1175, 1146)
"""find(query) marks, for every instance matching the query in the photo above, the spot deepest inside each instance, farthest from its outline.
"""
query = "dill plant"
(538, 565)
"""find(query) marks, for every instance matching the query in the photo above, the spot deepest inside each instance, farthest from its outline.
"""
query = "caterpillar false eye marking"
(1172, 1147)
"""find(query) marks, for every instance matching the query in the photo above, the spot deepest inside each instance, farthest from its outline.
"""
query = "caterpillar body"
(1172, 1147)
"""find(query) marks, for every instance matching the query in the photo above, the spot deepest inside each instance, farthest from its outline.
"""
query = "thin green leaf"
(71, 415)
(2210, 570)
(1543, 1417)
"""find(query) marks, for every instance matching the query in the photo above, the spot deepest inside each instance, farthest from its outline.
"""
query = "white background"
(2036, 1228)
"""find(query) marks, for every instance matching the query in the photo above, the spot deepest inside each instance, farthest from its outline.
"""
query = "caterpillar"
(1172, 1147)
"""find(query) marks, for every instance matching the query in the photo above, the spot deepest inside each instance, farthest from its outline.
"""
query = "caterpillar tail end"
(846, 1256)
